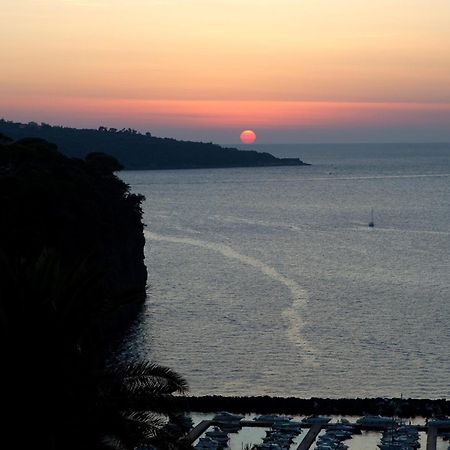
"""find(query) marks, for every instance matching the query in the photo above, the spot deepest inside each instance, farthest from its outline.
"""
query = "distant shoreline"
(137, 151)
(296, 162)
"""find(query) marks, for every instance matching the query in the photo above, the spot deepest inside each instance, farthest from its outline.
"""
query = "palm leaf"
(144, 377)
(130, 429)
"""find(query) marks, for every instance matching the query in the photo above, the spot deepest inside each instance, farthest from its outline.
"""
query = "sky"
(291, 70)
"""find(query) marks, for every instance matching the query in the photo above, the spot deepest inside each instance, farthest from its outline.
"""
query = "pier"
(197, 431)
(431, 438)
(310, 437)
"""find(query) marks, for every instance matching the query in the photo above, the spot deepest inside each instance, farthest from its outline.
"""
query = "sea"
(269, 281)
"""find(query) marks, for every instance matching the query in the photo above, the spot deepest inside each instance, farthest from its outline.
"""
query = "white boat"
(290, 426)
(218, 435)
(315, 419)
(280, 440)
(377, 421)
(340, 435)
(341, 427)
(207, 443)
(439, 422)
(272, 418)
(225, 416)
(269, 446)
(332, 446)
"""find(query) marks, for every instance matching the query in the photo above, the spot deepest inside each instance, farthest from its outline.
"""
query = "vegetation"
(71, 262)
(142, 151)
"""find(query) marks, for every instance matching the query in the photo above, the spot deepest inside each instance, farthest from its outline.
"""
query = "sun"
(248, 137)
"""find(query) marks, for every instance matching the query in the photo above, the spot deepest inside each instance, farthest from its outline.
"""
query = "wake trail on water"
(371, 177)
(298, 294)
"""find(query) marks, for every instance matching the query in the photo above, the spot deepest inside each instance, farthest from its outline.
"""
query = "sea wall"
(399, 407)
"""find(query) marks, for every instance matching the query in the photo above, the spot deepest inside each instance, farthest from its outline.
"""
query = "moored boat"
(377, 421)
(310, 420)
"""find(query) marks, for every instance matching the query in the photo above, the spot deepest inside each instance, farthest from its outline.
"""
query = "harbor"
(319, 433)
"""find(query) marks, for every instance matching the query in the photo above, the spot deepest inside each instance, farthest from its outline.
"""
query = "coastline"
(137, 151)
(281, 162)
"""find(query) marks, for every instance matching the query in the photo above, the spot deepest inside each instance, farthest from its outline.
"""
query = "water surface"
(269, 281)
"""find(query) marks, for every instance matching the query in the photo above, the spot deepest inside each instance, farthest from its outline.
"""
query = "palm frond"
(135, 428)
(144, 377)
(108, 442)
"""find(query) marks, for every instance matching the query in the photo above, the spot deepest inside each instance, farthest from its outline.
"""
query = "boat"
(371, 223)
(218, 435)
(290, 426)
(269, 446)
(207, 443)
(379, 421)
(272, 418)
(225, 416)
(230, 423)
(278, 438)
(445, 436)
(443, 422)
(311, 420)
(337, 434)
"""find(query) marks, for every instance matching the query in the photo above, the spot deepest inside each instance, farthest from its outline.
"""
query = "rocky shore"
(399, 407)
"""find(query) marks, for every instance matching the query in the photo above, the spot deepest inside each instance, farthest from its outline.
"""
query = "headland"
(138, 151)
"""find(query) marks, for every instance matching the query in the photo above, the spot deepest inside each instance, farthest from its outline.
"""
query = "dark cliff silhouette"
(143, 151)
(71, 260)
(79, 207)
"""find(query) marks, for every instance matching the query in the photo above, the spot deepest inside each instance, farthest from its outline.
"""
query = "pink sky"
(341, 70)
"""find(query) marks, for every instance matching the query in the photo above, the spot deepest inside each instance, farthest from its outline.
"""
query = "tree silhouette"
(60, 290)
(54, 317)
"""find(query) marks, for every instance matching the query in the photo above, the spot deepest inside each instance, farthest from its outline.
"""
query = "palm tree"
(136, 402)
(50, 318)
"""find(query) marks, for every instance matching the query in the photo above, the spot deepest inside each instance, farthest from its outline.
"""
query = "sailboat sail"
(371, 223)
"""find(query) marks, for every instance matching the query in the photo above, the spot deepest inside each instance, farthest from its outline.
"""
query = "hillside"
(71, 273)
(137, 151)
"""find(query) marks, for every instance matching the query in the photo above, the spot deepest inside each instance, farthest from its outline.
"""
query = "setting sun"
(248, 136)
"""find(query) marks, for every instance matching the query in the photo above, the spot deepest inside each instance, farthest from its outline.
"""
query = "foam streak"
(298, 294)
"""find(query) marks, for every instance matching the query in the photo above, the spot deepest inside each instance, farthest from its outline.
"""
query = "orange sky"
(294, 70)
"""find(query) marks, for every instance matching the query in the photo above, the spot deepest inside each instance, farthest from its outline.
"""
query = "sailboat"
(371, 223)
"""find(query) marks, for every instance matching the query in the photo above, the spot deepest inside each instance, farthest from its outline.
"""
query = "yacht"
(272, 418)
(315, 419)
(225, 416)
(377, 421)
(439, 422)
(218, 435)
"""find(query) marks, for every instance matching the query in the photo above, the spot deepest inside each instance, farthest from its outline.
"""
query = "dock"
(310, 437)
(431, 438)
(197, 431)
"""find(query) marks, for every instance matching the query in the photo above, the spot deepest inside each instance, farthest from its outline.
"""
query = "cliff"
(77, 210)
(137, 151)
(71, 270)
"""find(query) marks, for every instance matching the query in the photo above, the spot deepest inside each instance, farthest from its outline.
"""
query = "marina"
(322, 433)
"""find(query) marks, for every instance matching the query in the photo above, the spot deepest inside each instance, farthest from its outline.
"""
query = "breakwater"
(399, 407)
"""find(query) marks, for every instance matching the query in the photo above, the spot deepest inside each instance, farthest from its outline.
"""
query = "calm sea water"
(269, 280)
